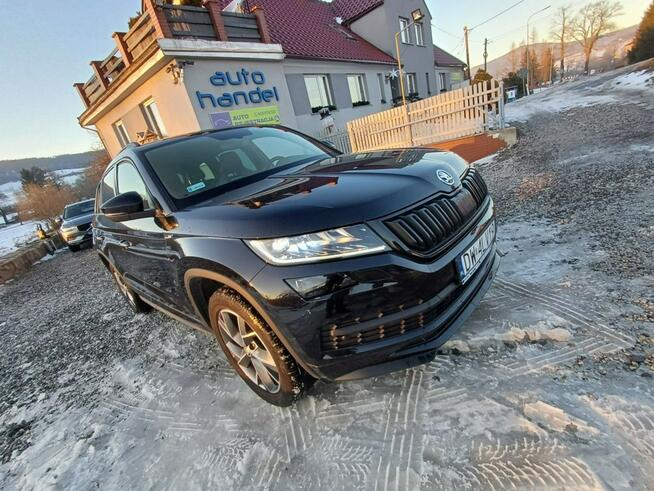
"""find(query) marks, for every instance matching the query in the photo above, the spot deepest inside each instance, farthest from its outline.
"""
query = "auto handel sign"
(253, 94)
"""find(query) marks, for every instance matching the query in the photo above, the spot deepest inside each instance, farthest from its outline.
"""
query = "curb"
(21, 260)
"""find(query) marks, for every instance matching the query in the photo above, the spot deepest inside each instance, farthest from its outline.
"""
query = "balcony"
(162, 20)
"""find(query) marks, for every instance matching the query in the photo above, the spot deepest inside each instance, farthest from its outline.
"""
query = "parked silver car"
(76, 226)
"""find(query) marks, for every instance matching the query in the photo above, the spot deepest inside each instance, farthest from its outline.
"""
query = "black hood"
(330, 193)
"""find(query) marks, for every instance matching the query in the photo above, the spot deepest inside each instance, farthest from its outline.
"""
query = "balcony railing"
(169, 21)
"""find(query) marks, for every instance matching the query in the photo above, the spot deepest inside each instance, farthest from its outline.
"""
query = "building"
(183, 68)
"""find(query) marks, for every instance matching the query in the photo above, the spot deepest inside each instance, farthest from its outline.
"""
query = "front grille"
(426, 227)
(83, 227)
(336, 339)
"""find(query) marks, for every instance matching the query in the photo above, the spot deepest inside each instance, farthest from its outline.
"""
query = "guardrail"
(448, 116)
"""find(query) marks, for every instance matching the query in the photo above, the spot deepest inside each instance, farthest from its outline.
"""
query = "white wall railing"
(456, 114)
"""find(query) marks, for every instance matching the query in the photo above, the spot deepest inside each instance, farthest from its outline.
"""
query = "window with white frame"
(420, 38)
(411, 85)
(382, 90)
(443, 80)
(404, 31)
(319, 91)
(121, 133)
(153, 118)
(357, 85)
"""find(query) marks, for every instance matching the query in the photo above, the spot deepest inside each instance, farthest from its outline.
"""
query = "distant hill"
(10, 169)
(610, 52)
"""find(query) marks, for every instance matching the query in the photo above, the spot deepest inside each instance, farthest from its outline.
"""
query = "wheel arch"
(201, 283)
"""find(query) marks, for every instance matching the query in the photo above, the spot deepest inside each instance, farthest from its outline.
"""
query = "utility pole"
(465, 36)
(485, 53)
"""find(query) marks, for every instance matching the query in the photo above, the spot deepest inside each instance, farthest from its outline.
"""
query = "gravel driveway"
(549, 385)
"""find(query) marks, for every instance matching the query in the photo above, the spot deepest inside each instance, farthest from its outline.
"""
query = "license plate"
(468, 262)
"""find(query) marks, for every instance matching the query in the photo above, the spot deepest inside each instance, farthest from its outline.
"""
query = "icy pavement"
(548, 386)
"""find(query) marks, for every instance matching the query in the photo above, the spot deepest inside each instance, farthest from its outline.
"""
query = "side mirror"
(126, 206)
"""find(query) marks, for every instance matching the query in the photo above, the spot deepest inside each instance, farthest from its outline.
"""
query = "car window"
(107, 190)
(129, 179)
(79, 209)
(196, 165)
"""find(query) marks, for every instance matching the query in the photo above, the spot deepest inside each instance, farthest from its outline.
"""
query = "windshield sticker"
(195, 187)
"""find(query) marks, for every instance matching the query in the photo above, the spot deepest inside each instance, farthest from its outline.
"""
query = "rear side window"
(129, 179)
(108, 188)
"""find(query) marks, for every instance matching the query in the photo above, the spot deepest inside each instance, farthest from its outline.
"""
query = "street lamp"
(527, 45)
(417, 16)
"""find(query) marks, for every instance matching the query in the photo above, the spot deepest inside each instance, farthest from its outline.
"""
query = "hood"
(78, 220)
(330, 193)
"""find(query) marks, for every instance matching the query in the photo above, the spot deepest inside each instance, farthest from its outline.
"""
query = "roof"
(308, 29)
(351, 10)
(443, 58)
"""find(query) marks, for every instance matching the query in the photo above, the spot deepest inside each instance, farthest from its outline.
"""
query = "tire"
(290, 383)
(73, 248)
(134, 301)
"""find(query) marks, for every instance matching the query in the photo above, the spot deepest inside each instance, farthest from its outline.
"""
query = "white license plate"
(468, 262)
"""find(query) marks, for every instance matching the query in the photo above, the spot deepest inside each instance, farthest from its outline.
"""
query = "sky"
(47, 46)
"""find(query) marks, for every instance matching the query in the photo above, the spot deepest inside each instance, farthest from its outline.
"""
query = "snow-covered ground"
(549, 385)
(14, 235)
(602, 89)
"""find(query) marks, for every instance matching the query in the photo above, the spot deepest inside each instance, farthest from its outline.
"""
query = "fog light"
(315, 286)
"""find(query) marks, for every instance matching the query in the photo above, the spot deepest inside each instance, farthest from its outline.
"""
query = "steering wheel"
(275, 160)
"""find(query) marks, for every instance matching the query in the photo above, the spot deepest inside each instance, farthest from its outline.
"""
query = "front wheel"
(135, 302)
(254, 350)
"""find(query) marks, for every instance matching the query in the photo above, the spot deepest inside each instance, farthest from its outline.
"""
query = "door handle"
(125, 244)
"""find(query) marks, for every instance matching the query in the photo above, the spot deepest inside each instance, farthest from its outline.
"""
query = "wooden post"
(119, 38)
(215, 13)
(82, 94)
(158, 19)
(262, 24)
(104, 83)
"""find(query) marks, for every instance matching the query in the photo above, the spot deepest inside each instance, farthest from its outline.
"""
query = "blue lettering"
(218, 79)
(275, 91)
(245, 75)
(238, 80)
(226, 100)
(235, 95)
(267, 95)
(252, 94)
(202, 96)
(258, 78)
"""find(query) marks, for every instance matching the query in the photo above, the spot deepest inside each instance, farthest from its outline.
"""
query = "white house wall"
(197, 79)
(309, 122)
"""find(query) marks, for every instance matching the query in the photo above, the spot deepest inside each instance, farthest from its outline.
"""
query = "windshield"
(77, 209)
(197, 165)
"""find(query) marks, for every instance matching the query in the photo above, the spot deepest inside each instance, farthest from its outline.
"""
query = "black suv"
(306, 264)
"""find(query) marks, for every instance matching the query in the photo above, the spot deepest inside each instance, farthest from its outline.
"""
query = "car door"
(138, 246)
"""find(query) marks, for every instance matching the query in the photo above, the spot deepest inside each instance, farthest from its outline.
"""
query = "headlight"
(356, 240)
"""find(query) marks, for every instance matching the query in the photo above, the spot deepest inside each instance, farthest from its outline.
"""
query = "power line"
(497, 15)
(446, 32)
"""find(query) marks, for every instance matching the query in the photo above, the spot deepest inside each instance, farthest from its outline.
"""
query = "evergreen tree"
(643, 47)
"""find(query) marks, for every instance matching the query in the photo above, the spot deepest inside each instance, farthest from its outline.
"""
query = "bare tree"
(561, 33)
(44, 202)
(3, 199)
(591, 22)
(513, 58)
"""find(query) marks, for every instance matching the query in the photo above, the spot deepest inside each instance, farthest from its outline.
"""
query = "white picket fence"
(470, 110)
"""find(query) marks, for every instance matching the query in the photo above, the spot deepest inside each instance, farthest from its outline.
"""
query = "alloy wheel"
(249, 351)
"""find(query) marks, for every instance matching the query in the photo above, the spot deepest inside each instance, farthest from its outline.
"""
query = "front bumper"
(386, 312)
(76, 237)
